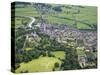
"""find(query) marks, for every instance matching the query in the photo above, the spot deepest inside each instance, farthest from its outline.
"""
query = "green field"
(21, 21)
(59, 54)
(38, 65)
(81, 51)
(87, 14)
(26, 11)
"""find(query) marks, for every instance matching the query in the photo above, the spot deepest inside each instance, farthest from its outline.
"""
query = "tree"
(90, 57)
(53, 69)
(57, 9)
(71, 60)
(56, 65)
(26, 71)
(17, 65)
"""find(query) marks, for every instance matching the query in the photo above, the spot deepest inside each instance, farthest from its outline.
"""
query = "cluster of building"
(62, 33)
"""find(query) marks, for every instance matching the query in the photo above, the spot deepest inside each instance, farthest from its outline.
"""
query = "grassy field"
(38, 65)
(59, 54)
(82, 26)
(86, 14)
(27, 11)
(21, 21)
(80, 51)
(27, 49)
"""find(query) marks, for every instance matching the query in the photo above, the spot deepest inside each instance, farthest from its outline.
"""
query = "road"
(30, 23)
(33, 20)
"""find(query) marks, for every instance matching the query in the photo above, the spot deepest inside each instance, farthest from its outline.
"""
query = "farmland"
(86, 14)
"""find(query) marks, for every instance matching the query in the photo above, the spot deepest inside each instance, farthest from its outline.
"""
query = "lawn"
(27, 49)
(80, 51)
(39, 65)
(59, 54)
